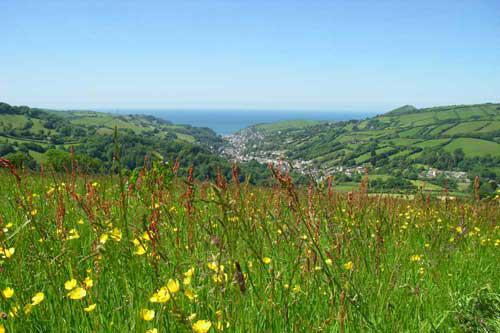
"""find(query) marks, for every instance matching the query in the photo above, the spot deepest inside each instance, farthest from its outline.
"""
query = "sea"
(226, 122)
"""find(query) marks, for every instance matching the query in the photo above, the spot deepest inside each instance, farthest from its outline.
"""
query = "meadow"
(150, 251)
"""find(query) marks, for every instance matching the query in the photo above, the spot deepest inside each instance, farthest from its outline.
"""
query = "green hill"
(402, 142)
(33, 137)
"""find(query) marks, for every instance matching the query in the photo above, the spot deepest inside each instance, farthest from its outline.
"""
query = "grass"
(287, 125)
(466, 127)
(247, 259)
(474, 147)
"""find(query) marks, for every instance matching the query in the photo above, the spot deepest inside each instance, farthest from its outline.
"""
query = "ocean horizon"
(225, 122)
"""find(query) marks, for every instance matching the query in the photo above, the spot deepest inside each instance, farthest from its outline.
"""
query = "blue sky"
(309, 55)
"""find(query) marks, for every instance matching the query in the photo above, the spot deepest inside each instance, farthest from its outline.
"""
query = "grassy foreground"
(150, 252)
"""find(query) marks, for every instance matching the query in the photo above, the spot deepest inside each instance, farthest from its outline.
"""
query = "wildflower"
(188, 276)
(202, 326)
(7, 253)
(219, 277)
(88, 282)
(34, 212)
(90, 308)
(213, 266)
(80, 221)
(116, 235)
(77, 293)
(28, 308)
(186, 281)
(147, 315)
(152, 330)
(328, 261)
(104, 238)
(38, 298)
(189, 272)
(70, 284)
(416, 257)
(189, 294)
(459, 229)
(173, 286)
(349, 266)
(73, 234)
(266, 260)
(2, 329)
(296, 289)
(13, 311)
(8, 292)
(145, 236)
(161, 296)
(140, 250)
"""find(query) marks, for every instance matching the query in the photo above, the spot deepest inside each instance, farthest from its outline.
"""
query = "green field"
(474, 147)
(164, 254)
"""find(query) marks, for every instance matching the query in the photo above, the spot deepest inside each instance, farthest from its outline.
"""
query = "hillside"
(403, 143)
(33, 136)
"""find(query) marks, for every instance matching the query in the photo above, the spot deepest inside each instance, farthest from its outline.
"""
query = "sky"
(248, 55)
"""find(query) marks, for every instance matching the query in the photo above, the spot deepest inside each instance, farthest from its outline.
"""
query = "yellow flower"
(147, 314)
(186, 281)
(202, 326)
(73, 234)
(213, 266)
(77, 293)
(416, 257)
(34, 212)
(296, 289)
(9, 252)
(189, 272)
(173, 286)
(349, 266)
(27, 308)
(104, 238)
(266, 260)
(189, 294)
(152, 330)
(161, 296)
(8, 292)
(140, 250)
(70, 284)
(88, 282)
(90, 308)
(329, 261)
(2, 329)
(116, 235)
(145, 236)
(38, 298)
(219, 277)
(13, 311)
